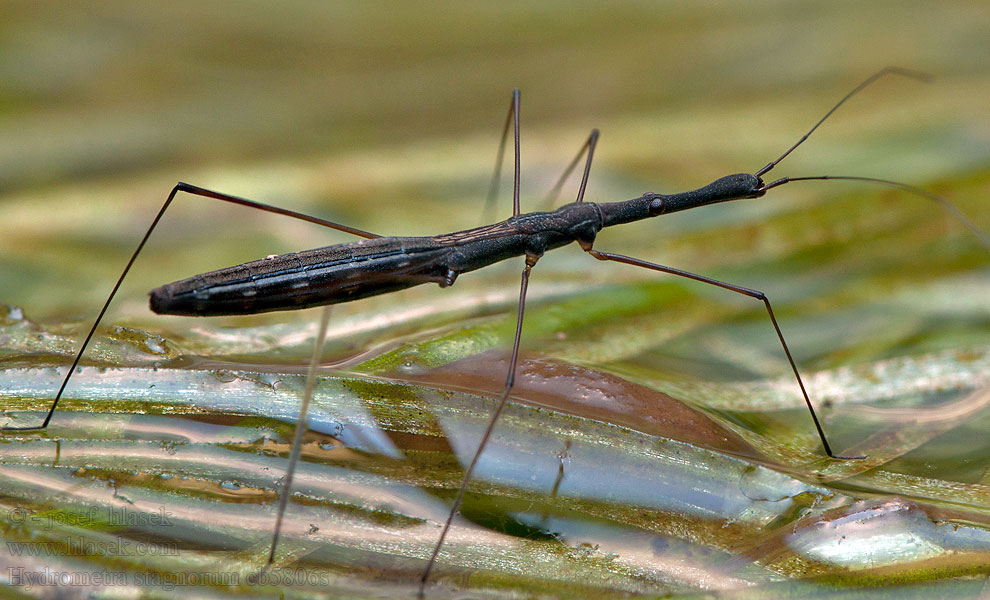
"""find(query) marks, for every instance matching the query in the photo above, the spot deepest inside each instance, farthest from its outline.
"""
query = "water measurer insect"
(377, 265)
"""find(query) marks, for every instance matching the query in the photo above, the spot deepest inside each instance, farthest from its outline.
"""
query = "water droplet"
(10, 314)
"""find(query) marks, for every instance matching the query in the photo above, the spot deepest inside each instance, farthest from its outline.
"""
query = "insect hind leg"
(194, 191)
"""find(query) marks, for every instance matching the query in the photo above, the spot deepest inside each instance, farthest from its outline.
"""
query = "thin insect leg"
(515, 172)
(302, 424)
(739, 290)
(589, 146)
(555, 489)
(196, 191)
(510, 380)
(487, 216)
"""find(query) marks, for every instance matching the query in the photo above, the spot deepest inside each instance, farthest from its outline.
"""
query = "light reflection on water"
(615, 486)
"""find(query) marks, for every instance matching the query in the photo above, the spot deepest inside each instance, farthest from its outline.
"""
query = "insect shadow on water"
(378, 265)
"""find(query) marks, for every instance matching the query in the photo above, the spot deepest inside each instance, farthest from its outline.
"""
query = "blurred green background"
(382, 114)
(386, 116)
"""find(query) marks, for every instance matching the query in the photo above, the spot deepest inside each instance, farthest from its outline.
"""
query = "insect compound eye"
(657, 206)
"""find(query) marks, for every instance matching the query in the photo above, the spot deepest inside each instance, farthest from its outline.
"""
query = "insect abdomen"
(296, 280)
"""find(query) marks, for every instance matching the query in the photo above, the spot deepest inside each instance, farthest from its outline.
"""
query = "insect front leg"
(755, 294)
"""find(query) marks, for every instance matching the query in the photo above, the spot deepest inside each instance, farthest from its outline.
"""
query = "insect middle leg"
(589, 147)
(531, 259)
(511, 117)
(510, 380)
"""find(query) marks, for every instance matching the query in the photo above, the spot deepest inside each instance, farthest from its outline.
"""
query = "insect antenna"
(942, 201)
(882, 72)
